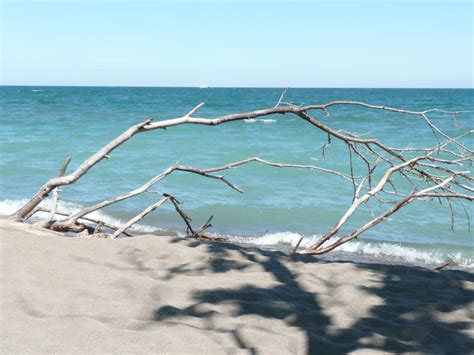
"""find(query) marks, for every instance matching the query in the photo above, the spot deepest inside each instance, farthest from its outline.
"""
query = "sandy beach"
(154, 294)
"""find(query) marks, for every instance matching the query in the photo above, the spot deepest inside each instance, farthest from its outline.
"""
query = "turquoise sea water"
(43, 125)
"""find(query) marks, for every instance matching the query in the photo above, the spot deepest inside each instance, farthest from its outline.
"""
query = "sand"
(162, 294)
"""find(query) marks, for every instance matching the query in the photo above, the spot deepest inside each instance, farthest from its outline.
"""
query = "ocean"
(40, 126)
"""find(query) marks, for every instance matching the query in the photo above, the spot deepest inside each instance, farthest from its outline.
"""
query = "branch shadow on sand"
(417, 309)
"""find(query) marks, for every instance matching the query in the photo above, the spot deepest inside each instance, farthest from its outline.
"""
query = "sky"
(245, 43)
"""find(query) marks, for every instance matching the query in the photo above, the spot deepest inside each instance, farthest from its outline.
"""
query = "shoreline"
(333, 256)
(147, 294)
(360, 257)
(365, 249)
(356, 256)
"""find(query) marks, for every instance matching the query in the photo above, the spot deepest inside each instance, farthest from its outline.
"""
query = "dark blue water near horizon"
(42, 125)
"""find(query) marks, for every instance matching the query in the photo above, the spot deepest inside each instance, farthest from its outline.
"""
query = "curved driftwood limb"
(320, 248)
(441, 171)
(148, 125)
(139, 217)
(88, 219)
(22, 213)
(71, 220)
(55, 200)
(357, 201)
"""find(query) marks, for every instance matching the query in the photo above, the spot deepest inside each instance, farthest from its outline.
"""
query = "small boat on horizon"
(204, 86)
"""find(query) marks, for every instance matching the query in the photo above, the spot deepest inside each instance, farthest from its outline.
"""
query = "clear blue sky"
(238, 43)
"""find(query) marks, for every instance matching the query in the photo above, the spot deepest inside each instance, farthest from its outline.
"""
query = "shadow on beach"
(417, 312)
(169, 295)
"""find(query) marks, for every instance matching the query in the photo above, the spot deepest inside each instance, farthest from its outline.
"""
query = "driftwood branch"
(281, 98)
(22, 213)
(203, 227)
(320, 248)
(88, 219)
(187, 220)
(139, 217)
(440, 172)
(56, 190)
(71, 220)
(148, 125)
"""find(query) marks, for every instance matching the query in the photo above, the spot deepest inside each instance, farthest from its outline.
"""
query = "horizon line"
(239, 87)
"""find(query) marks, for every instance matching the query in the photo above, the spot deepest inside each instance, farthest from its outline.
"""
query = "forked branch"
(438, 172)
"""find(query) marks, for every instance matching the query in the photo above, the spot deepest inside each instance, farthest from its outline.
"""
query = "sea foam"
(264, 120)
(383, 250)
(8, 207)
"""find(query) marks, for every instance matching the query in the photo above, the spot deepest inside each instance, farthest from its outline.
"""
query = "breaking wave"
(419, 254)
(385, 251)
(8, 207)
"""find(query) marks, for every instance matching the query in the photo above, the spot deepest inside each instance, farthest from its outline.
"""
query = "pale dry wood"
(54, 207)
(320, 248)
(438, 173)
(281, 98)
(203, 227)
(139, 217)
(95, 221)
(71, 220)
(148, 125)
(22, 213)
(98, 227)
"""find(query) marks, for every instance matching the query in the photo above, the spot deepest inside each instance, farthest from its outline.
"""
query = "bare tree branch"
(56, 191)
(44, 191)
(139, 217)
(96, 221)
(71, 220)
(441, 171)
(281, 97)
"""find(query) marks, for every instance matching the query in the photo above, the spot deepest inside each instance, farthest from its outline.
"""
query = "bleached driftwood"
(24, 212)
(70, 222)
(56, 190)
(140, 216)
(437, 172)
(98, 223)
